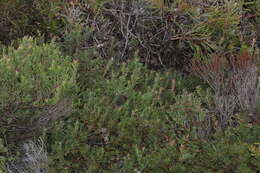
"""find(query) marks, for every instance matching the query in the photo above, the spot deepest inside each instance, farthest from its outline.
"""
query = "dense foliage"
(129, 86)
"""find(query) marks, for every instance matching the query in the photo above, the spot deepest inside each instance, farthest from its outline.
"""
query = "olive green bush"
(19, 18)
(130, 119)
(37, 83)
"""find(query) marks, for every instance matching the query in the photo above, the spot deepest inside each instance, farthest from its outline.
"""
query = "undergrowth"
(129, 86)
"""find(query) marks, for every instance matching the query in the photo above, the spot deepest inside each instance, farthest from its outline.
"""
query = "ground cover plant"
(129, 86)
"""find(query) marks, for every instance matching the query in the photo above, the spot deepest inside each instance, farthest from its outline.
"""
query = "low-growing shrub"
(36, 84)
(130, 119)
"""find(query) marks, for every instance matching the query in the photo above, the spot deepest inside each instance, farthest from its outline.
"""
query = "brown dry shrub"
(234, 81)
(245, 80)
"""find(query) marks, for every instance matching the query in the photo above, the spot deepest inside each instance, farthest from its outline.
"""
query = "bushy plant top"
(130, 119)
(36, 84)
(34, 73)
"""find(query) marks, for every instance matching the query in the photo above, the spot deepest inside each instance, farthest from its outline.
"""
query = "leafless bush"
(122, 28)
(245, 81)
(140, 27)
(73, 14)
(33, 159)
(219, 78)
(225, 104)
(234, 82)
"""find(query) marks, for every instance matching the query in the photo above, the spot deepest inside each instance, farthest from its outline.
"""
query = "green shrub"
(34, 78)
(130, 119)
(19, 18)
